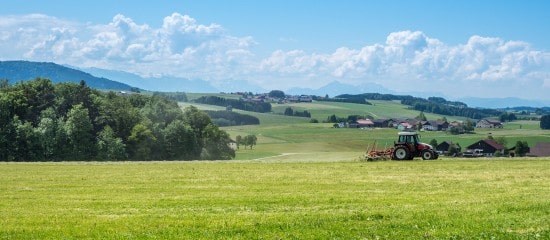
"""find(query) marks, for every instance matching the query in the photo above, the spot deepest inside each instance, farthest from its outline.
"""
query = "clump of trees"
(521, 148)
(346, 98)
(545, 122)
(507, 117)
(277, 94)
(248, 140)
(291, 112)
(40, 121)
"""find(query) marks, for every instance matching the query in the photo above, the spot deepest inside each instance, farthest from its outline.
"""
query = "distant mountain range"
(163, 84)
(16, 71)
(508, 102)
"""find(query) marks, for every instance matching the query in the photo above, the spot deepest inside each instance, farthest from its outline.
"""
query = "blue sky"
(492, 47)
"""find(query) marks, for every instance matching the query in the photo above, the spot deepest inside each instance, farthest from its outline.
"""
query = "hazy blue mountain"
(508, 102)
(337, 88)
(16, 71)
(240, 86)
(163, 84)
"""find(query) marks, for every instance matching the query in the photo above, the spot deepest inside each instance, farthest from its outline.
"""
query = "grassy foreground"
(443, 199)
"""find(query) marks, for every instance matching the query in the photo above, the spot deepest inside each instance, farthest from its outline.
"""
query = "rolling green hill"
(282, 137)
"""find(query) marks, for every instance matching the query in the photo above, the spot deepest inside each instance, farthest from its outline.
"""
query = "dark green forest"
(42, 121)
(229, 118)
(261, 107)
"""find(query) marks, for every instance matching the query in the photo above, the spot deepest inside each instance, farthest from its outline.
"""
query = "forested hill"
(42, 121)
(16, 71)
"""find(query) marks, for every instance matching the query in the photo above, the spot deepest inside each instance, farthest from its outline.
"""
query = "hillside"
(281, 137)
(16, 71)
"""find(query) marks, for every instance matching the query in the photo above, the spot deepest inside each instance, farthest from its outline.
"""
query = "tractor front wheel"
(401, 153)
(428, 155)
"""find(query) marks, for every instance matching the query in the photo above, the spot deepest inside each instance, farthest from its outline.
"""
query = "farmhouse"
(405, 124)
(486, 123)
(361, 123)
(541, 149)
(444, 147)
(490, 147)
(435, 125)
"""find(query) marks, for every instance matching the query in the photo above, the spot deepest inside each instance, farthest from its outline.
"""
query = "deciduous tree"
(522, 148)
(80, 133)
(109, 146)
(180, 142)
(140, 141)
(216, 144)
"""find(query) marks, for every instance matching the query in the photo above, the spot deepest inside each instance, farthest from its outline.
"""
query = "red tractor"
(408, 147)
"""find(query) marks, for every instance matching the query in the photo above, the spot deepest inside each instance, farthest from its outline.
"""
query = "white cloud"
(407, 61)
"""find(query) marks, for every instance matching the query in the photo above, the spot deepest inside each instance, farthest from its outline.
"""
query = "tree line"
(40, 121)
(252, 106)
(346, 98)
(436, 107)
(230, 118)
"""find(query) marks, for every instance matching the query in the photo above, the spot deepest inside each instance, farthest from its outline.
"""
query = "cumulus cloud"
(183, 47)
(411, 61)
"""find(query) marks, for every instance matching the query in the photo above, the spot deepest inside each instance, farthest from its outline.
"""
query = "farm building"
(541, 149)
(361, 123)
(486, 123)
(490, 147)
(435, 125)
(443, 148)
(406, 124)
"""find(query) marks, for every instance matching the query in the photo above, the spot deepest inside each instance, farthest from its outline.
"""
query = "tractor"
(408, 147)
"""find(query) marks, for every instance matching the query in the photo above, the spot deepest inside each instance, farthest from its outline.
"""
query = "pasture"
(283, 198)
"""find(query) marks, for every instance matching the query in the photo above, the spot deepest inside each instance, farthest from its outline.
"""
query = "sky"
(457, 48)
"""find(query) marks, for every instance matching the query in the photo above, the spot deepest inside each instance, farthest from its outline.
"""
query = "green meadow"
(301, 181)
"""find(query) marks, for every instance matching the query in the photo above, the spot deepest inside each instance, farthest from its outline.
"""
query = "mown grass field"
(285, 199)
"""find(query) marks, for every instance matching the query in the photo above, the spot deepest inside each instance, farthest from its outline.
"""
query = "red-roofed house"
(362, 123)
(489, 147)
(540, 150)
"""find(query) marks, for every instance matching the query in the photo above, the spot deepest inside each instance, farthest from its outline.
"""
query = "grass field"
(263, 199)
(301, 181)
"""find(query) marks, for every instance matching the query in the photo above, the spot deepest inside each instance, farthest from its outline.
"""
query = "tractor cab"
(408, 137)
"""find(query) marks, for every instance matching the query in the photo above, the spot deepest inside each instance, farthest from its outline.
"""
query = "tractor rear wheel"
(401, 153)
(428, 155)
